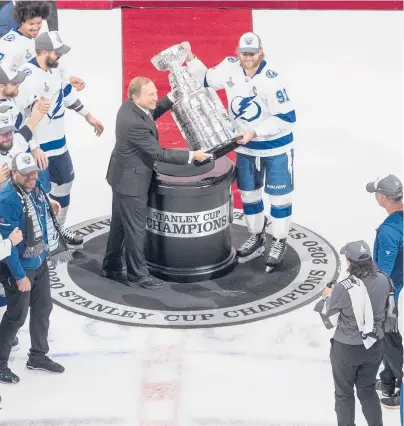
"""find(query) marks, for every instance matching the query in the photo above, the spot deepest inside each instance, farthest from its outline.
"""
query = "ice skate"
(276, 253)
(254, 246)
(73, 241)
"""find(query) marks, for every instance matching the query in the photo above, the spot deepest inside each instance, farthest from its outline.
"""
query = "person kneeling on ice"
(24, 204)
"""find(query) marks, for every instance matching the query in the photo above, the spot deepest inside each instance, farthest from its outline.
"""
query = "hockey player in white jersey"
(262, 112)
(44, 79)
(12, 142)
(18, 46)
(9, 87)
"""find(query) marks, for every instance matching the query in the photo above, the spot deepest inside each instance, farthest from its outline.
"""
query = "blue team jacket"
(7, 21)
(388, 249)
(12, 216)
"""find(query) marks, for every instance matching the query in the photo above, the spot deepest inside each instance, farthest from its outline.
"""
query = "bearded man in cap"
(45, 79)
(25, 204)
(12, 143)
(388, 255)
(9, 87)
(261, 110)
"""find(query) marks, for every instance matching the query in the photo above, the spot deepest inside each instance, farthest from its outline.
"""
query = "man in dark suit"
(129, 175)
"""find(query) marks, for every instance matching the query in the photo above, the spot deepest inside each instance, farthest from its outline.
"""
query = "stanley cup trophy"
(198, 111)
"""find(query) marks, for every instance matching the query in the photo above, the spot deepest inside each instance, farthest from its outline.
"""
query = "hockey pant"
(276, 174)
(58, 180)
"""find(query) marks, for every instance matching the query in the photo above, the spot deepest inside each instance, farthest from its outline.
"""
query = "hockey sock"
(61, 193)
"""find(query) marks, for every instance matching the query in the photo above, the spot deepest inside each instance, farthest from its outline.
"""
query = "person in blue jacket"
(7, 21)
(388, 256)
(24, 204)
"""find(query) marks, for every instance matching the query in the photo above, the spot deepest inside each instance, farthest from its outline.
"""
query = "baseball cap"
(389, 185)
(249, 43)
(24, 163)
(6, 120)
(357, 251)
(51, 42)
(11, 77)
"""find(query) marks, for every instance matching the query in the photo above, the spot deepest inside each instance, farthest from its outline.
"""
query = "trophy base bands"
(219, 151)
(192, 275)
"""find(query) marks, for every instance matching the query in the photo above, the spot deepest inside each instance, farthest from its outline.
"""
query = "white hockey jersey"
(18, 118)
(15, 111)
(260, 103)
(50, 131)
(16, 49)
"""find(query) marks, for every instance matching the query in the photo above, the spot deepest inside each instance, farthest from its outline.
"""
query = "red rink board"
(237, 4)
(146, 32)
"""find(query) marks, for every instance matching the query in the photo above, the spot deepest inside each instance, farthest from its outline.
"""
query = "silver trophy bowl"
(197, 110)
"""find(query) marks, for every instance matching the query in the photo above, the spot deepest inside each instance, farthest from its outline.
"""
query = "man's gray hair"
(136, 84)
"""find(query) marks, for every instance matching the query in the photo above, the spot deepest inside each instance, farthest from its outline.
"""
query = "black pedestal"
(188, 235)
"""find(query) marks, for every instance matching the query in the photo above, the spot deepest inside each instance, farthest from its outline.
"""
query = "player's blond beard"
(253, 65)
(8, 94)
(4, 148)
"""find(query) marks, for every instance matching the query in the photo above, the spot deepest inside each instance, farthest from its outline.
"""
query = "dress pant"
(356, 366)
(392, 361)
(401, 404)
(40, 303)
(128, 227)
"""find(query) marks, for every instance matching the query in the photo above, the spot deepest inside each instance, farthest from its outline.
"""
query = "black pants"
(40, 302)
(354, 365)
(128, 226)
(392, 361)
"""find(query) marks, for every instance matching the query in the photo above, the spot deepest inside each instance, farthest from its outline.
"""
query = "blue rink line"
(196, 352)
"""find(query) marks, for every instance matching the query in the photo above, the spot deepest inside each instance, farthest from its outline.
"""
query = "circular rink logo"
(245, 294)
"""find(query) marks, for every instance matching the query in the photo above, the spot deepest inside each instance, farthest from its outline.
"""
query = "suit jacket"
(137, 148)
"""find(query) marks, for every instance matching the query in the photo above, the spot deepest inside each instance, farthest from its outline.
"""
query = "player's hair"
(24, 10)
(135, 86)
(362, 269)
(395, 198)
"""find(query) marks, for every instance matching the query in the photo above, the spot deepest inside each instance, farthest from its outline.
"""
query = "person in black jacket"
(129, 175)
(357, 306)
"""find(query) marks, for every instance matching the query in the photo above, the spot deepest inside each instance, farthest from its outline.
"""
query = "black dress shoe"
(112, 274)
(145, 282)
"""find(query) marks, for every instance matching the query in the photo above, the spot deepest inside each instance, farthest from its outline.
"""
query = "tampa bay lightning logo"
(9, 37)
(271, 73)
(245, 108)
(58, 105)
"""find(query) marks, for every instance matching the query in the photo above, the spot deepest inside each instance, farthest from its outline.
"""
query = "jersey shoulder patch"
(27, 71)
(9, 37)
(271, 73)
(232, 59)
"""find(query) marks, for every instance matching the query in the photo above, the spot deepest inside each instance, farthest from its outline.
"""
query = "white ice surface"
(346, 76)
